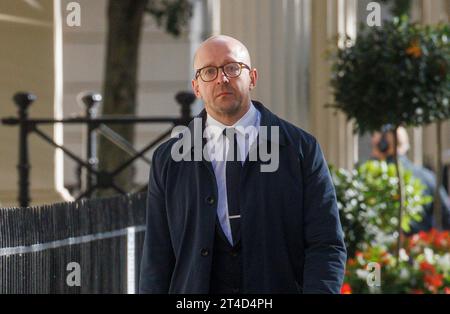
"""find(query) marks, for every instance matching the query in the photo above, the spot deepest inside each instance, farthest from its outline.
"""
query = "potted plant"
(366, 198)
(396, 75)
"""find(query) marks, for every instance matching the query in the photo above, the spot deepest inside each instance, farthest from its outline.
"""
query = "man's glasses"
(231, 70)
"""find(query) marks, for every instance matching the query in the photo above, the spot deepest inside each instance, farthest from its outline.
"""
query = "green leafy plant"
(399, 75)
(368, 202)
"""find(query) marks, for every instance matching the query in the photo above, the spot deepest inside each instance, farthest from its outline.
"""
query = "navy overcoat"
(291, 236)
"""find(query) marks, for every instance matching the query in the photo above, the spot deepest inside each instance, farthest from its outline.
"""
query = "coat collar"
(268, 119)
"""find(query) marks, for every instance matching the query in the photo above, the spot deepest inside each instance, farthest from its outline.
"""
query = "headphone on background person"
(383, 144)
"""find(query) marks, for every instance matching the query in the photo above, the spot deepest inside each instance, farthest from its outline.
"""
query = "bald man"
(233, 225)
(383, 149)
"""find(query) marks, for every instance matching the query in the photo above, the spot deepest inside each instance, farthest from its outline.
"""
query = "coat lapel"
(268, 120)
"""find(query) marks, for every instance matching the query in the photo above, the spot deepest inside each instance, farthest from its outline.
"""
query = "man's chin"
(227, 107)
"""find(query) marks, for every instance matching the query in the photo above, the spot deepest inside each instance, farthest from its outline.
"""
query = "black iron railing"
(89, 246)
(95, 179)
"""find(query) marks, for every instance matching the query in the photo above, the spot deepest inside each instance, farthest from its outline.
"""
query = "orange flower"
(414, 50)
(433, 238)
(351, 262)
(434, 281)
(447, 290)
(385, 260)
(441, 239)
(423, 236)
(412, 241)
(346, 289)
(427, 267)
(438, 242)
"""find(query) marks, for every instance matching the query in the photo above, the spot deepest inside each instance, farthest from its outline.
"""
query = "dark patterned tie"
(233, 176)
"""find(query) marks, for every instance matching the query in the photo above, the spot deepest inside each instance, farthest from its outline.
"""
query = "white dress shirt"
(217, 148)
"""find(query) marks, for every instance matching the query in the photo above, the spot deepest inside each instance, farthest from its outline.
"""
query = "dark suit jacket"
(292, 241)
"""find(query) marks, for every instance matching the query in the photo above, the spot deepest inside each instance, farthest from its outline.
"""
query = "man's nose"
(221, 77)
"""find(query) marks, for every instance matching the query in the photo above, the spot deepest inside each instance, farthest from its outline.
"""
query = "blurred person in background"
(382, 144)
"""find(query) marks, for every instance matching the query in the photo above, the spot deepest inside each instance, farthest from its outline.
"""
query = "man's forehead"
(216, 52)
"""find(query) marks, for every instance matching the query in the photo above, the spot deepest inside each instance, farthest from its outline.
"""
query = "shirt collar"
(265, 118)
(250, 118)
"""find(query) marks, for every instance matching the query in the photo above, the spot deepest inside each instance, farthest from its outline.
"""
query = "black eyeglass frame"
(241, 66)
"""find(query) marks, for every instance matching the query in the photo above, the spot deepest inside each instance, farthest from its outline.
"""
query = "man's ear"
(253, 78)
(196, 89)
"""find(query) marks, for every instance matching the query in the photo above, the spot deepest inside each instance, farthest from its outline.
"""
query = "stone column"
(27, 63)
(330, 18)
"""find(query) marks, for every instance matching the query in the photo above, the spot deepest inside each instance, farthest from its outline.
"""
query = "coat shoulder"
(297, 137)
(162, 154)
